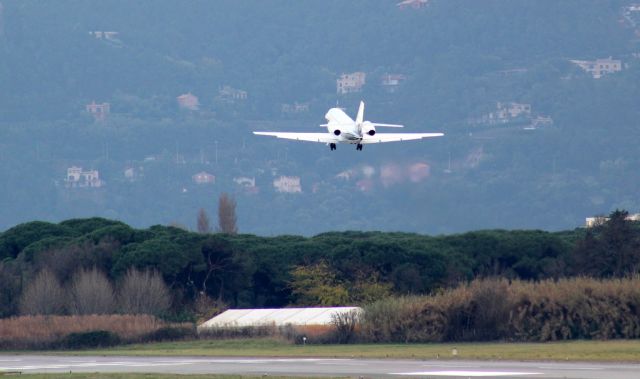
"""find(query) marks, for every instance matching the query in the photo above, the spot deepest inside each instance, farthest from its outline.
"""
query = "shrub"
(85, 340)
(171, 333)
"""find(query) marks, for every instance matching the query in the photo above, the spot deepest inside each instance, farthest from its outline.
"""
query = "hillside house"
(287, 184)
(188, 101)
(540, 122)
(600, 67)
(414, 4)
(505, 111)
(203, 178)
(295, 108)
(98, 111)
(348, 83)
(391, 82)
(109, 36)
(77, 178)
(248, 185)
(591, 222)
(631, 14)
(230, 94)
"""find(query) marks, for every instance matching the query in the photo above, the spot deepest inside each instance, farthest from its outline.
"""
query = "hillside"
(571, 154)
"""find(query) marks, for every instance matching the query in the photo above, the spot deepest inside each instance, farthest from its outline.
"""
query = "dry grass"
(578, 308)
(43, 331)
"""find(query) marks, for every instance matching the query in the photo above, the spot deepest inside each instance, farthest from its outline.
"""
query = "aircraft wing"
(311, 137)
(396, 137)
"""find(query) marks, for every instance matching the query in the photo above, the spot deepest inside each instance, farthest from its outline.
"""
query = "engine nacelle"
(368, 128)
(337, 132)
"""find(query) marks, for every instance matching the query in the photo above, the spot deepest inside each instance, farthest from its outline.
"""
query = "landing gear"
(332, 146)
(359, 146)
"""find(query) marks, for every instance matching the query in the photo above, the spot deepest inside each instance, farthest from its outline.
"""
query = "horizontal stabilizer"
(387, 125)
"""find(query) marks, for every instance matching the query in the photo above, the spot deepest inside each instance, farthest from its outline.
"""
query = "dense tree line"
(240, 270)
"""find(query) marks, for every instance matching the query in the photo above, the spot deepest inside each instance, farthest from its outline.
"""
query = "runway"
(319, 367)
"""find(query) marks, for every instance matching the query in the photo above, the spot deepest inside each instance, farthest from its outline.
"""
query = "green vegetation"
(574, 350)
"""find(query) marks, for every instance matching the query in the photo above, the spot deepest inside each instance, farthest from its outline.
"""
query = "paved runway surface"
(320, 367)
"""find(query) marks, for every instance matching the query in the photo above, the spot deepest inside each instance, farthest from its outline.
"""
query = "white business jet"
(342, 129)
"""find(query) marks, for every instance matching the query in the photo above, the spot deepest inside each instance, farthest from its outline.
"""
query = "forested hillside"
(48, 268)
(573, 154)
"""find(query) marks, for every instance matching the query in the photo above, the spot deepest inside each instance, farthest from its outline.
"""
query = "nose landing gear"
(332, 146)
(359, 147)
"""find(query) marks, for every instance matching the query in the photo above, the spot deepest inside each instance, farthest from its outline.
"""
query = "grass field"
(619, 350)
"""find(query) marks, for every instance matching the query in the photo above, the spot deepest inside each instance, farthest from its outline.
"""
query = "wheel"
(332, 146)
(359, 147)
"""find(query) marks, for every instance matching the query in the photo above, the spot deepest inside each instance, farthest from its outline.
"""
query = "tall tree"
(143, 292)
(203, 222)
(91, 293)
(227, 221)
(43, 296)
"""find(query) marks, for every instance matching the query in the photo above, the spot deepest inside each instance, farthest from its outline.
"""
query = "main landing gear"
(359, 146)
(332, 146)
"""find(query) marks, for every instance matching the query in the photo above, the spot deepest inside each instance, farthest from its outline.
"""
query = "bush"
(580, 308)
(170, 333)
(86, 340)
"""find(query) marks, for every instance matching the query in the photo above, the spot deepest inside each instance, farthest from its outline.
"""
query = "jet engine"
(368, 128)
(337, 132)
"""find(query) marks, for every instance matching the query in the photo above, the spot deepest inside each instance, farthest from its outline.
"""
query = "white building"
(188, 101)
(391, 82)
(600, 67)
(230, 94)
(203, 178)
(287, 184)
(591, 222)
(353, 82)
(76, 177)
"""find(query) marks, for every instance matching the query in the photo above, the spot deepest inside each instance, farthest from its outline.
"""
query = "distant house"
(188, 101)
(98, 111)
(419, 172)
(133, 174)
(540, 122)
(203, 178)
(247, 184)
(287, 184)
(415, 4)
(295, 108)
(353, 82)
(345, 175)
(109, 36)
(600, 67)
(591, 222)
(391, 82)
(512, 110)
(631, 14)
(76, 177)
(230, 94)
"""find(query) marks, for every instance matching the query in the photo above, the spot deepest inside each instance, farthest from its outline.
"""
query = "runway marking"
(466, 373)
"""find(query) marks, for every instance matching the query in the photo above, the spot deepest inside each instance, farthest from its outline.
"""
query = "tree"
(43, 296)
(143, 292)
(317, 285)
(203, 222)
(91, 293)
(227, 214)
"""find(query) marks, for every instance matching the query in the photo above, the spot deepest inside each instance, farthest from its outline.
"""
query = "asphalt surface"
(319, 367)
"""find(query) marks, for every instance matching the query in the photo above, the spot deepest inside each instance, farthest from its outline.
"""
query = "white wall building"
(600, 67)
(287, 184)
(352, 82)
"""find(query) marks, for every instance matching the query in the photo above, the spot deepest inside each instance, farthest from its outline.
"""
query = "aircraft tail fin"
(360, 117)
